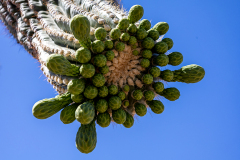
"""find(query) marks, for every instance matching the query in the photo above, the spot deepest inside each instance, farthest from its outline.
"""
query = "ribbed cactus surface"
(102, 60)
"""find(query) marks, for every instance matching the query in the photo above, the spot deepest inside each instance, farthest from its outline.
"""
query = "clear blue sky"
(204, 124)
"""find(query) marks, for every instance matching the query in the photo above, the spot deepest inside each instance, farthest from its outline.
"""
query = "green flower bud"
(137, 94)
(125, 37)
(100, 60)
(172, 94)
(129, 121)
(167, 75)
(132, 40)
(126, 88)
(101, 105)
(158, 87)
(140, 109)
(147, 79)
(141, 34)
(123, 24)
(103, 119)
(145, 63)
(155, 72)
(161, 47)
(145, 24)
(100, 33)
(148, 43)
(110, 55)
(147, 54)
(120, 46)
(108, 44)
(112, 89)
(103, 91)
(175, 58)
(149, 95)
(169, 42)
(76, 86)
(98, 46)
(77, 98)
(87, 70)
(115, 33)
(90, 92)
(119, 116)
(122, 95)
(153, 34)
(156, 106)
(161, 60)
(135, 13)
(83, 55)
(114, 102)
(98, 80)
(104, 69)
(135, 52)
(161, 27)
(132, 28)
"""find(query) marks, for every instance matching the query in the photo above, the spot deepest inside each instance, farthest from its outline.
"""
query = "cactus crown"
(104, 62)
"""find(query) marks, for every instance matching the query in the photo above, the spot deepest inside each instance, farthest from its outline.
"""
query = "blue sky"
(204, 123)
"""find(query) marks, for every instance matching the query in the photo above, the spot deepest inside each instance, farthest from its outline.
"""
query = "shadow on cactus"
(104, 62)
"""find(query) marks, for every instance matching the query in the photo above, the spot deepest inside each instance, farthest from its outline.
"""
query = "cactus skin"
(115, 33)
(101, 105)
(86, 138)
(136, 12)
(161, 60)
(104, 69)
(167, 75)
(189, 74)
(76, 86)
(114, 102)
(83, 55)
(98, 46)
(87, 70)
(147, 79)
(68, 114)
(122, 95)
(103, 119)
(169, 42)
(60, 65)
(80, 27)
(145, 63)
(145, 24)
(155, 72)
(109, 55)
(175, 58)
(129, 121)
(137, 94)
(85, 113)
(172, 94)
(90, 92)
(141, 34)
(140, 109)
(158, 87)
(119, 116)
(156, 106)
(135, 52)
(161, 27)
(147, 54)
(123, 24)
(108, 44)
(125, 37)
(98, 80)
(103, 91)
(79, 98)
(120, 46)
(161, 47)
(132, 28)
(112, 90)
(100, 33)
(154, 34)
(47, 107)
(149, 95)
(148, 43)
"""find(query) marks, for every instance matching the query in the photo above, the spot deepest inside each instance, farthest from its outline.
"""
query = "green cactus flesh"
(175, 58)
(155, 72)
(123, 24)
(147, 54)
(58, 64)
(140, 109)
(103, 119)
(87, 70)
(148, 43)
(85, 113)
(156, 106)
(119, 116)
(114, 102)
(137, 94)
(103, 91)
(113, 90)
(189, 74)
(83, 55)
(167, 75)
(100, 33)
(135, 13)
(86, 138)
(158, 87)
(100, 57)
(145, 24)
(149, 95)
(154, 34)
(90, 92)
(77, 98)
(47, 107)
(98, 80)
(68, 113)
(76, 86)
(129, 121)
(161, 27)
(101, 105)
(169, 42)
(171, 94)
(122, 95)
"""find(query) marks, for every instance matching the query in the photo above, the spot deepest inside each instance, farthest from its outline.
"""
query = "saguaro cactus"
(103, 61)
